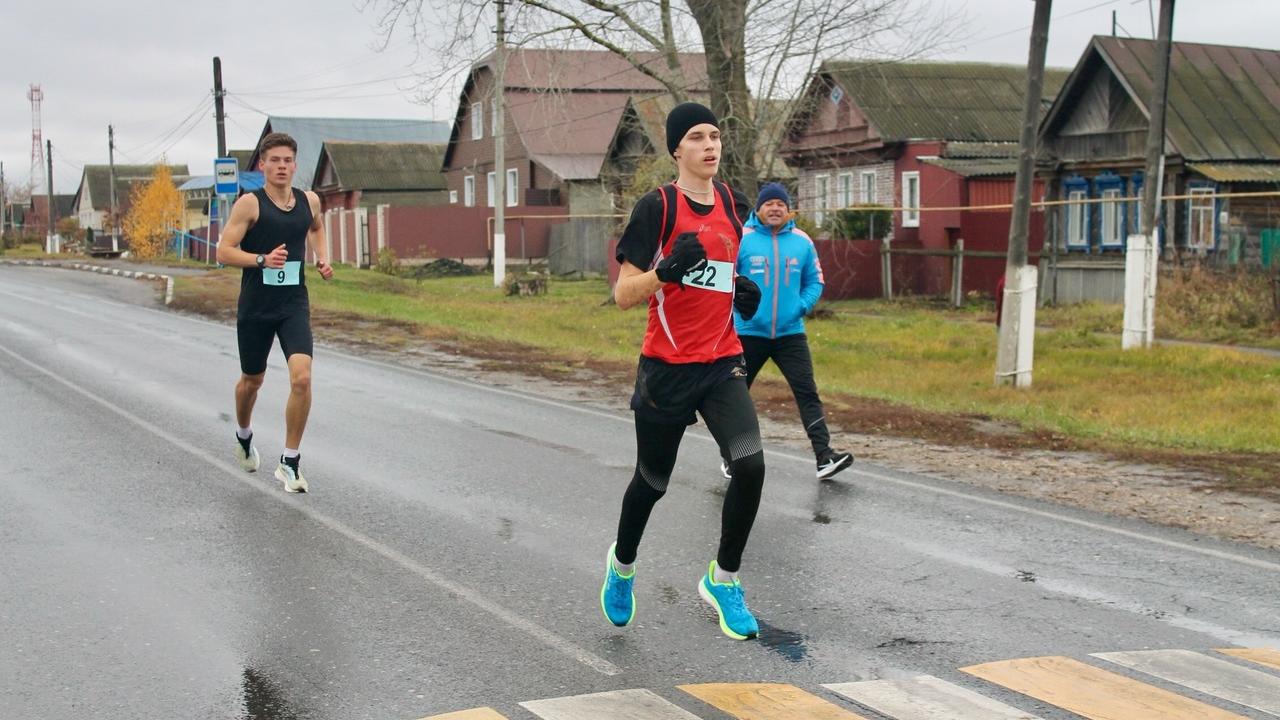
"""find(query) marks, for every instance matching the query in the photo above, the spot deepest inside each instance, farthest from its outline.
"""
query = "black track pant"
(731, 417)
(791, 354)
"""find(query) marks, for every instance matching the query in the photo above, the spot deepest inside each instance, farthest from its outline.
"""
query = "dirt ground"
(1213, 495)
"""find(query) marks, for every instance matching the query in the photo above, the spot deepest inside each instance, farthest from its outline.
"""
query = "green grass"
(1085, 387)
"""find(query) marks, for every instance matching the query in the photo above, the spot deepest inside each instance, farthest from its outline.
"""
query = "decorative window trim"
(869, 187)
(845, 189)
(1111, 185)
(469, 191)
(513, 187)
(1201, 189)
(491, 190)
(911, 205)
(821, 197)
(1076, 188)
(477, 121)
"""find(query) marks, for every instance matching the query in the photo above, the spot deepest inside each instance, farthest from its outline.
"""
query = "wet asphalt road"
(450, 553)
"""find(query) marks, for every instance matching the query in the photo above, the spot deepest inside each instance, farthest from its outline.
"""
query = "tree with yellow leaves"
(155, 210)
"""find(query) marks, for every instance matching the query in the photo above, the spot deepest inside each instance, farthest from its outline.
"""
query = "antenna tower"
(35, 95)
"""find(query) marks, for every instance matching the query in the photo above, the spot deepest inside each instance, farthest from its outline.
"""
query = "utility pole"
(221, 203)
(217, 107)
(111, 160)
(4, 199)
(1014, 354)
(1142, 251)
(51, 244)
(499, 151)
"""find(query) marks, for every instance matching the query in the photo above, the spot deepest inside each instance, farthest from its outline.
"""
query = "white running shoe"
(833, 462)
(291, 476)
(247, 454)
(725, 471)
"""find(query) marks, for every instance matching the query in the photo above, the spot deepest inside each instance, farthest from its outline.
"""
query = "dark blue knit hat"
(773, 191)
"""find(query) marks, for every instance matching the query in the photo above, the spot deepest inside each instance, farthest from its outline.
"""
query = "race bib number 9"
(287, 275)
(716, 275)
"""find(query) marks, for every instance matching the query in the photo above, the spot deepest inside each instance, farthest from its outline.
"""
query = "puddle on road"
(263, 699)
(790, 645)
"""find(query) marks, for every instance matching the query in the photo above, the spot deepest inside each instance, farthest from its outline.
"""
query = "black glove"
(746, 296)
(687, 254)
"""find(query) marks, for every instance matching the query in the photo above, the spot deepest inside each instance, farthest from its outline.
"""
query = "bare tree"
(758, 53)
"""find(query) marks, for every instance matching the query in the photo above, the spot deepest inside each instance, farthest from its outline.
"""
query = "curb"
(168, 279)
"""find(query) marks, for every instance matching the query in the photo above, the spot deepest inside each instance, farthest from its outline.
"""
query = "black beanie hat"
(683, 117)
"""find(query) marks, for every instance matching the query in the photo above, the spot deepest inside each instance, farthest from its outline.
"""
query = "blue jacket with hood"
(784, 263)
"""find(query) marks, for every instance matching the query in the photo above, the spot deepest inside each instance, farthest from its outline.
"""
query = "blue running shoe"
(616, 596)
(736, 620)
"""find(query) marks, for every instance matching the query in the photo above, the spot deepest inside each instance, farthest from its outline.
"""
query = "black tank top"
(259, 300)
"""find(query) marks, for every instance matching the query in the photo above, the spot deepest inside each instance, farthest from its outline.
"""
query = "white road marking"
(615, 705)
(926, 698)
(1211, 676)
(433, 577)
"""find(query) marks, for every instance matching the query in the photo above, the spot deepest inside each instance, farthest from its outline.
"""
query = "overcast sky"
(148, 71)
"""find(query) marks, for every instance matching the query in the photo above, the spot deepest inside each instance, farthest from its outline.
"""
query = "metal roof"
(939, 101)
(1238, 172)
(98, 179)
(1224, 101)
(384, 165)
(311, 134)
(977, 167)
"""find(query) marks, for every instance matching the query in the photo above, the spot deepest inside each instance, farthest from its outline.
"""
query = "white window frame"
(846, 190)
(1137, 212)
(477, 121)
(513, 187)
(869, 187)
(1197, 215)
(491, 190)
(1077, 219)
(469, 191)
(911, 200)
(1112, 229)
(821, 196)
(453, 197)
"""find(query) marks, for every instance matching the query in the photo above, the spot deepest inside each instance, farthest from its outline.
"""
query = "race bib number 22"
(716, 275)
(287, 275)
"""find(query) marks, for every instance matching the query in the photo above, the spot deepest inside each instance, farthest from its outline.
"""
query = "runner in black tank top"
(267, 235)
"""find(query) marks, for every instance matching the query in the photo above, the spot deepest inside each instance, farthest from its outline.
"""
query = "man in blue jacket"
(782, 261)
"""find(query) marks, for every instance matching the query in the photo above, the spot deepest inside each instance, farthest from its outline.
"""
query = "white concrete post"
(1139, 293)
(1017, 328)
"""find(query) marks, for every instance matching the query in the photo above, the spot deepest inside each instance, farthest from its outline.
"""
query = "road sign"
(226, 176)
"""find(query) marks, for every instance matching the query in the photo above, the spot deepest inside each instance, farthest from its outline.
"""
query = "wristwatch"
(262, 261)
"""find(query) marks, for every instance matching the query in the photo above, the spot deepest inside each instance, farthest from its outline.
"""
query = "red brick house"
(562, 111)
(911, 135)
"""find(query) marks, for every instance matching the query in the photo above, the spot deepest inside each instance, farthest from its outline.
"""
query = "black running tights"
(731, 417)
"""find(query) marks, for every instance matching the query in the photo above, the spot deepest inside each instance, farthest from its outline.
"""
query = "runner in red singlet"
(678, 253)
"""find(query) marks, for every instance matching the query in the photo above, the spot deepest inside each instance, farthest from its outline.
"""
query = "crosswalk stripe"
(1092, 692)
(767, 701)
(483, 713)
(925, 697)
(615, 705)
(1219, 678)
(1262, 656)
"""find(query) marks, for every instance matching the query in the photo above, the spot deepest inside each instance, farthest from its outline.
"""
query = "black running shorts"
(671, 393)
(255, 338)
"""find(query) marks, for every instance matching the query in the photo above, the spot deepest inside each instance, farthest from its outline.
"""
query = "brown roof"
(1224, 101)
(566, 104)
(594, 70)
